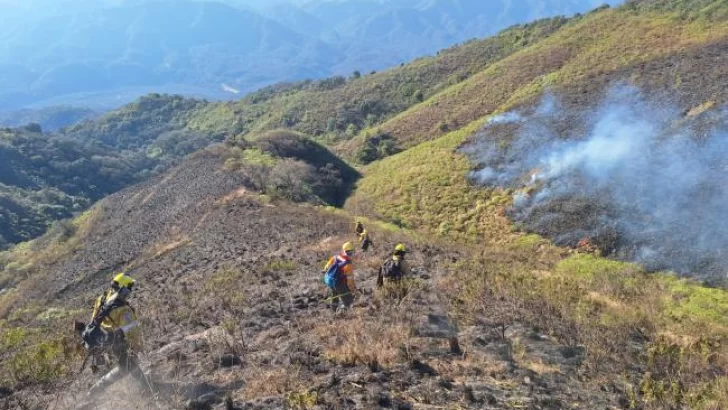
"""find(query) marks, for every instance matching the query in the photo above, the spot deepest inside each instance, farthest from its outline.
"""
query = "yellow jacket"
(100, 301)
(363, 236)
(118, 314)
(347, 270)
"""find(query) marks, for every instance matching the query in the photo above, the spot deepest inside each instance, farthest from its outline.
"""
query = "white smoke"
(504, 118)
(638, 178)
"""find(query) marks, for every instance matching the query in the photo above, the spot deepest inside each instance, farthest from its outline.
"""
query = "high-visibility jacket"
(347, 270)
(115, 314)
(100, 301)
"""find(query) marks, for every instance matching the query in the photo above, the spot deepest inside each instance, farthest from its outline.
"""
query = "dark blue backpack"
(93, 336)
(333, 274)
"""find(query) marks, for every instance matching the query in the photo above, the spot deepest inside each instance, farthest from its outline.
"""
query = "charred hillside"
(233, 310)
(636, 176)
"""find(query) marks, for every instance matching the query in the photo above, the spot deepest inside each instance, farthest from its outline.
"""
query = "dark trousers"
(127, 365)
(341, 295)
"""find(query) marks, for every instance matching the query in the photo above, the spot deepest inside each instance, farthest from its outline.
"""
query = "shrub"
(378, 146)
(302, 400)
(34, 355)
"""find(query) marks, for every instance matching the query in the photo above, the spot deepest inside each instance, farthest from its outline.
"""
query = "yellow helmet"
(400, 248)
(123, 281)
(348, 247)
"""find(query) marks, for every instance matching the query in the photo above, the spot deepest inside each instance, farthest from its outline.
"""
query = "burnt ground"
(689, 87)
(235, 314)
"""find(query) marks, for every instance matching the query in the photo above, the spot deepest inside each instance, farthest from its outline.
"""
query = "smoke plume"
(633, 177)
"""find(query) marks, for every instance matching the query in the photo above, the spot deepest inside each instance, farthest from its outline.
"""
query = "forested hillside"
(369, 116)
(47, 177)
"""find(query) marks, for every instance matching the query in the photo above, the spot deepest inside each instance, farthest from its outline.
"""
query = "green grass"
(425, 188)
(34, 355)
(281, 265)
(239, 157)
(689, 301)
(589, 266)
(528, 242)
(598, 44)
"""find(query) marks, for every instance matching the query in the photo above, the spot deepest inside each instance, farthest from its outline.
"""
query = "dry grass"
(161, 249)
(238, 193)
(537, 365)
(617, 317)
(264, 382)
(599, 45)
(361, 341)
(25, 264)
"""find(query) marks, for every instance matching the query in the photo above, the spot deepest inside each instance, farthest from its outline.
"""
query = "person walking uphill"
(114, 325)
(395, 268)
(363, 236)
(96, 351)
(339, 277)
(364, 240)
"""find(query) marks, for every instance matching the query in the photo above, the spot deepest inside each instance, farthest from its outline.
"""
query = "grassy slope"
(598, 44)
(425, 188)
(370, 99)
(606, 303)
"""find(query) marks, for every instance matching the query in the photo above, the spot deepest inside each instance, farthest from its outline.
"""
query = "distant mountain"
(50, 119)
(151, 44)
(393, 32)
(106, 53)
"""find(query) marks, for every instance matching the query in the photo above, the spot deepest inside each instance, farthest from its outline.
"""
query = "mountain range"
(103, 54)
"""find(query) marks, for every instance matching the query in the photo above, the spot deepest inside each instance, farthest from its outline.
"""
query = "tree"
(34, 128)
(331, 124)
(351, 130)
(376, 147)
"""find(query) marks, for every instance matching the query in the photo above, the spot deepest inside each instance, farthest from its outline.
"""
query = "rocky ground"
(236, 316)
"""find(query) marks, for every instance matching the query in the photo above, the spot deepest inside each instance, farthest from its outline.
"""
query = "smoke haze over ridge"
(639, 182)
